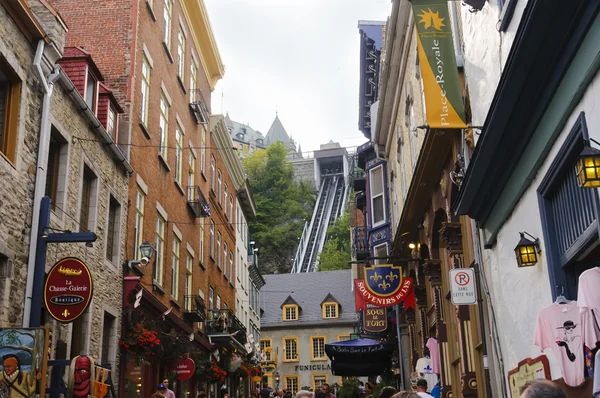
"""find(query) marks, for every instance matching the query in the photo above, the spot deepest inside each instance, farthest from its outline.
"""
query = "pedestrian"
(325, 390)
(303, 394)
(422, 388)
(265, 393)
(407, 394)
(160, 391)
(436, 390)
(168, 393)
(387, 392)
(541, 389)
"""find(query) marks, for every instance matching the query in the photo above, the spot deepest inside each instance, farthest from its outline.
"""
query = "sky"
(297, 57)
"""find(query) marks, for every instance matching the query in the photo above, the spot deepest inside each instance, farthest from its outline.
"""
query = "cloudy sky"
(300, 57)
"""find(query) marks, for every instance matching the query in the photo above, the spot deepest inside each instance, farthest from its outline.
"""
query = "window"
(377, 199)
(164, 126)
(212, 173)
(180, 52)
(218, 302)
(145, 97)
(175, 267)
(112, 232)
(238, 273)
(225, 194)
(231, 266)
(109, 339)
(219, 249)
(111, 123)
(88, 193)
(167, 15)
(317, 352)
(318, 381)
(290, 312)
(201, 248)
(178, 153)
(231, 208)
(203, 152)
(381, 251)
(212, 239)
(265, 347)
(138, 232)
(290, 349)
(225, 258)
(191, 173)
(330, 310)
(160, 250)
(291, 384)
(343, 337)
(10, 93)
(189, 269)
(211, 298)
(56, 170)
(219, 183)
(193, 80)
(91, 92)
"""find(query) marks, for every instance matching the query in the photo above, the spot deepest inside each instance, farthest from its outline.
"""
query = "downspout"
(40, 175)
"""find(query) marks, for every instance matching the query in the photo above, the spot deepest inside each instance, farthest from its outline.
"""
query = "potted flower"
(140, 342)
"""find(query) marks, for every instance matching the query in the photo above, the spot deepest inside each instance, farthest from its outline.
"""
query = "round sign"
(184, 368)
(462, 278)
(68, 289)
(257, 379)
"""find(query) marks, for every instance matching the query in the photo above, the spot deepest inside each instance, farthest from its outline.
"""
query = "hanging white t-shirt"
(425, 369)
(588, 291)
(434, 352)
(565, 329)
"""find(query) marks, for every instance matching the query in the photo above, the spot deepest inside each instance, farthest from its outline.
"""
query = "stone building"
(302, 313)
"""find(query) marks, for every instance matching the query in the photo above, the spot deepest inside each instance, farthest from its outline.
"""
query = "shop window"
(569, 215)
(290, 349)
(291, 384)
(376, 185)
(318, 381)
(10, 96)
(290, 312)
(56, 169)
(330, 310)
(317, 344)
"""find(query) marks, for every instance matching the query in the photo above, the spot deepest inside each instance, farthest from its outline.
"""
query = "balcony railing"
(197, 202)
(199, 106)
(194, 309)
(360, 245)
(224, 322)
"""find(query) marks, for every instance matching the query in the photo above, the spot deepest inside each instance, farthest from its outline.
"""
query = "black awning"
(359, 357)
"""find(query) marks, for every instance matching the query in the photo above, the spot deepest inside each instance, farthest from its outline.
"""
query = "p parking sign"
(462, 286)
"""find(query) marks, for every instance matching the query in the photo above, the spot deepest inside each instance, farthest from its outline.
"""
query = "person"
(265, 393)
(541, 389)
(161, 390)
(387, 392)
(436, 391)
(19, 384)
(361, 387)
(226, 395)
(168, 393)
(287, 394)
(325, 390)
(303, 394)
(422, 388)
(406, 394)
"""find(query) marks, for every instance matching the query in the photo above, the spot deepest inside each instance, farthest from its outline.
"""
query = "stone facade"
(304, 169)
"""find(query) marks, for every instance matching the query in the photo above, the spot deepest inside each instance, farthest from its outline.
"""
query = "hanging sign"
(383, 285)
(462, 286)
(375, 319)
(443, 98)
(184, 369)
(68, 289)
(527, 370)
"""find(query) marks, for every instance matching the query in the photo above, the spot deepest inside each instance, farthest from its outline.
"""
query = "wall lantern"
(527, 250)
(588, 166)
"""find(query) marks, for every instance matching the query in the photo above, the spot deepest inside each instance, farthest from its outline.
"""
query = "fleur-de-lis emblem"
(375, 277)
(391, 276)
(384, 285)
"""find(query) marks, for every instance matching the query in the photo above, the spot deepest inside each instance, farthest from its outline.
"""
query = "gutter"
(95, 123)
(41, 172)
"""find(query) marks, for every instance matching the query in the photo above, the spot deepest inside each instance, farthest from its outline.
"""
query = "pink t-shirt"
(434, 353)
(588, 295)
(565, 329)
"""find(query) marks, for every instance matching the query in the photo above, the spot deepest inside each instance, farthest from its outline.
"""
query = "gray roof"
(244, 133)
(308, 289)
(277, 132)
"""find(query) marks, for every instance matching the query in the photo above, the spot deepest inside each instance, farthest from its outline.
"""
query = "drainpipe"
(40, 175)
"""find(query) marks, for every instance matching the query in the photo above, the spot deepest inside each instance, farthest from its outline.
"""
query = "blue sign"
(383, 280)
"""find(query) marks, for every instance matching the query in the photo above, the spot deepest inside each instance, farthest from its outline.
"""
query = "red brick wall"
(76, 70)
(102, 113)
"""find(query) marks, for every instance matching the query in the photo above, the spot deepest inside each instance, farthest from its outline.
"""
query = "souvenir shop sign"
(528, 369)
(462, 286)
(375, 319)
(383, 285)
(68, 289)
(184, 369)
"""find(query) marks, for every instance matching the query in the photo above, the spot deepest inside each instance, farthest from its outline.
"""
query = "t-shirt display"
(425, 369)
(588, 291)
(565, 328)
(432, 344)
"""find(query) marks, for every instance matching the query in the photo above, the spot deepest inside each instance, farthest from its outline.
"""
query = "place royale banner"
(443, 99)
(383, 285)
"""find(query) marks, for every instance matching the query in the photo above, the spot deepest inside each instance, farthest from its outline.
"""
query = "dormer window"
(111, 125)
(290, 312)
(91, 92)
(330, 310)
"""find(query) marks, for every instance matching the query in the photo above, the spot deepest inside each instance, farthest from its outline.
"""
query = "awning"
(359, 357)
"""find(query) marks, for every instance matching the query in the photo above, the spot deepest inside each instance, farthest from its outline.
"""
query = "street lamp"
(588, 167)
(146, 250)
(527, 250)
(277, 379)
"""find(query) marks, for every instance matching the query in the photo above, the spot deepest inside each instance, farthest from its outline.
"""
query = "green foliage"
(282, 205)
(349, 389)
(337, 250)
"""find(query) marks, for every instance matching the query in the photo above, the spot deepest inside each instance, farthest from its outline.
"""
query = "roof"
(277, 132)
(241, 132)
(309, 290)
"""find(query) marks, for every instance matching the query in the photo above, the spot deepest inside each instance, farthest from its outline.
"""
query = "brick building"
(161, 60)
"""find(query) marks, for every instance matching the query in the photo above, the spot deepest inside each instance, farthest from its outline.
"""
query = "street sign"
(462, 286)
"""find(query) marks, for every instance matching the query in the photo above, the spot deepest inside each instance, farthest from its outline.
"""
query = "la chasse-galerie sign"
(68, 289)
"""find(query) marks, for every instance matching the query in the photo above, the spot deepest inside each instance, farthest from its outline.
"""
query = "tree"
(282, 206)
(337, 251)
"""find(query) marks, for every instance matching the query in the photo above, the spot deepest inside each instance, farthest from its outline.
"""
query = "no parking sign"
(462, 286)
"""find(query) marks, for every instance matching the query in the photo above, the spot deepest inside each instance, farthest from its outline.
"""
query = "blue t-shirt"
(435, 391)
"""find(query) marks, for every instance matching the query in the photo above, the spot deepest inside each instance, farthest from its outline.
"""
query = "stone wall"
(304, 169)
